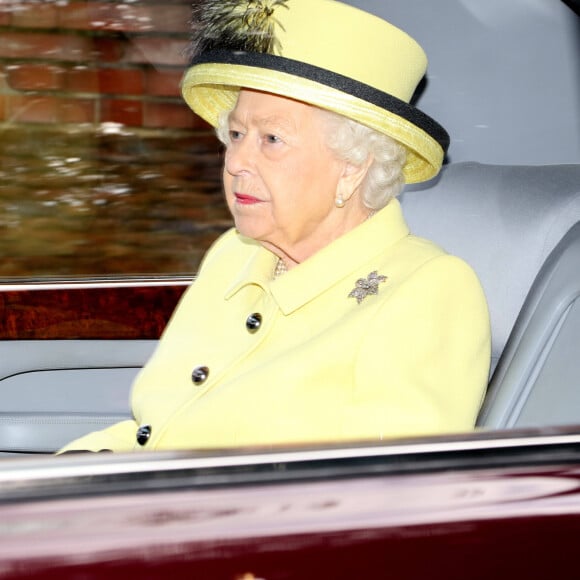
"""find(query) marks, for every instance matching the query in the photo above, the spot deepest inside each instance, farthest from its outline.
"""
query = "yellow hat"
(321, 52)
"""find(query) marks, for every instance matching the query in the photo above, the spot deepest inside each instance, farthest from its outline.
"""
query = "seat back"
(515, 226)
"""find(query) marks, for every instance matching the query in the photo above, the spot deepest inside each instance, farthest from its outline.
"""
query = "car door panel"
(69, 354)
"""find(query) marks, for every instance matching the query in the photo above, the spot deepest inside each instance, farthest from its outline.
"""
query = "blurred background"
(103, 169)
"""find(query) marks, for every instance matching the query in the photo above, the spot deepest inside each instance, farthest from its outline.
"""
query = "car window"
(103, 169)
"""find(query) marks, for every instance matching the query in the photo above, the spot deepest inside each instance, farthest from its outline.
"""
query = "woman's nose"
(239, 156)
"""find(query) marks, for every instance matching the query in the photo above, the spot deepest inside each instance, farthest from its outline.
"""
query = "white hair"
(355, 143)
(222, 128)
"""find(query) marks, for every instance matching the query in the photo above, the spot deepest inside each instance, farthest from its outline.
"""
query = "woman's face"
(280, 178)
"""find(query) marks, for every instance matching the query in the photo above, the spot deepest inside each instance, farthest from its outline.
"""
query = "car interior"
(516, 223)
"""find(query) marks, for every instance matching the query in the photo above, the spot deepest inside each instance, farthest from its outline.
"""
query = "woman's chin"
(250, 228)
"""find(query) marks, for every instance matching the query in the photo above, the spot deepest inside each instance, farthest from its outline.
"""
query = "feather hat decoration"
(235, 25)
(322, 52)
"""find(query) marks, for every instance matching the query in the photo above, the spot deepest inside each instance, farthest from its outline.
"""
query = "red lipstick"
(245, 199)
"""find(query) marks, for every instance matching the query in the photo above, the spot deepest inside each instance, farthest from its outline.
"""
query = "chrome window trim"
(94, 283)
(95, 474)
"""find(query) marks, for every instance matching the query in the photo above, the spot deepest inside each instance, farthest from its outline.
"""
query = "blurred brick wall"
(103, 168)
(92, 61)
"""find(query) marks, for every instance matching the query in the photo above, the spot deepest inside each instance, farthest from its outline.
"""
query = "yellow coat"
(411, 359)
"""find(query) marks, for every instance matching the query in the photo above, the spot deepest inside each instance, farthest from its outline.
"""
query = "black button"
(199, 375)
(143, 434)
(253, 322)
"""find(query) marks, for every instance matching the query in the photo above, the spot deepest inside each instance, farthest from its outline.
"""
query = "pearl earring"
(339, 201)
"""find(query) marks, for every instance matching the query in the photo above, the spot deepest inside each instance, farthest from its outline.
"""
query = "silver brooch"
(366, 286)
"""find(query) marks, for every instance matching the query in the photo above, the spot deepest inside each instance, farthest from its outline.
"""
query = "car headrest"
(502, 220)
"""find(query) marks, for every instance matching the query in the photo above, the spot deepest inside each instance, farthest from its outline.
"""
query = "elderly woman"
(319, 318)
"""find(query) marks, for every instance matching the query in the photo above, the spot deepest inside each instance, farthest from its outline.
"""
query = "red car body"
(501, 507)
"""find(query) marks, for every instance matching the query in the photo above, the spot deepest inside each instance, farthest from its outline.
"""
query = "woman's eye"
(272, 139)
(235, 135)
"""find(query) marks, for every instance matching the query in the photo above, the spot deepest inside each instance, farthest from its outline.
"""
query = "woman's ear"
(352, 178)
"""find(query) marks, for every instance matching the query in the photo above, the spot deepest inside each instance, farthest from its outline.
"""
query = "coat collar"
(324, 269)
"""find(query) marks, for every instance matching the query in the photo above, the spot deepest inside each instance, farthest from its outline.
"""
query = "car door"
(477, 506)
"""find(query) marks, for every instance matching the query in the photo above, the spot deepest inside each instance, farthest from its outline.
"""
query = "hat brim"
(212, 84)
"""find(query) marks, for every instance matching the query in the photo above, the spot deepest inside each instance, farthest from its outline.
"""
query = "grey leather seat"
(517, 227)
